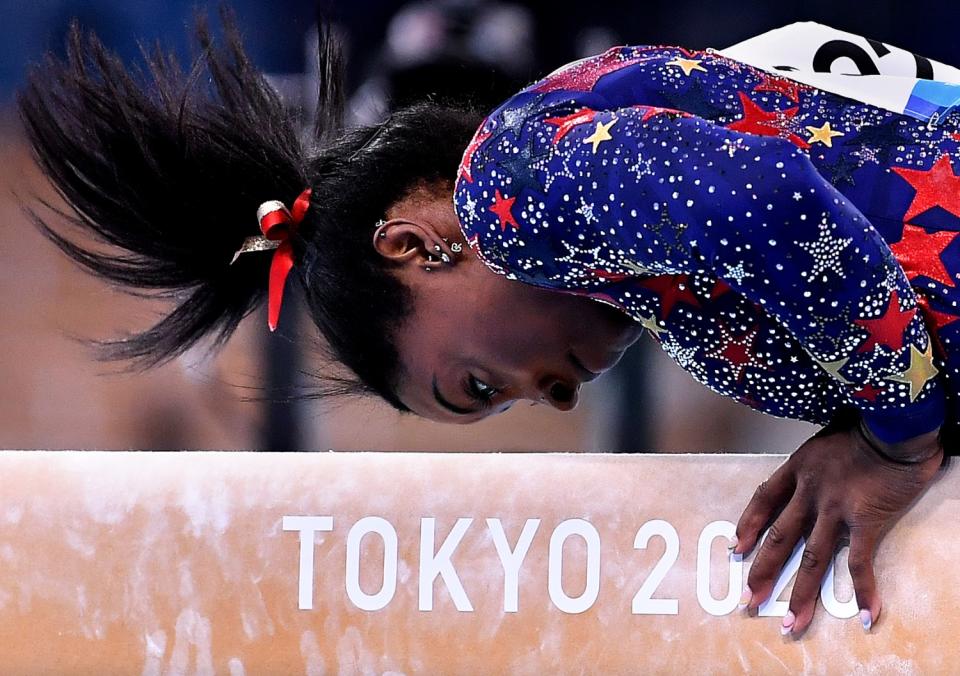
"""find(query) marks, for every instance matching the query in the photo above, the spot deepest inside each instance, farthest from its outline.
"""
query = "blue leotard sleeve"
(577, 197)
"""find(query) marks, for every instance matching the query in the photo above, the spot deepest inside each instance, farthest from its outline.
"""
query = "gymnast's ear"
(405, 242)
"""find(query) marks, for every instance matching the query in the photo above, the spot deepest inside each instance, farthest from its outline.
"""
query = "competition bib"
(855, 67)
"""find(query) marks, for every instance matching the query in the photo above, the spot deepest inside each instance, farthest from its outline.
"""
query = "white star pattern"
(736, 272)
(826, 251)
(543, 164)
(586, 210)
(575, 255)
(641, 167)
(725, 280)
(470, 208)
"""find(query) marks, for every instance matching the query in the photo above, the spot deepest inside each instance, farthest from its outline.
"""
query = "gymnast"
(788, 247)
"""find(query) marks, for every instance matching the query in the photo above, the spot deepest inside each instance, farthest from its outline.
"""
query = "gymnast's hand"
(837, 483)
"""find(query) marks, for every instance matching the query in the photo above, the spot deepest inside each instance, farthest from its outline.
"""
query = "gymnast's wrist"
(913, 451)
(893, 425)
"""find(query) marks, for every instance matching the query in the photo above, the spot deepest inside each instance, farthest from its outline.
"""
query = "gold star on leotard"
(688, 65)
(651, 325)
(600, 134)
(920, 371)
(833, 368)
(823, 134)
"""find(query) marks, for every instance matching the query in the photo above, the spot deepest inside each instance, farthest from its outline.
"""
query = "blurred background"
(53, 394)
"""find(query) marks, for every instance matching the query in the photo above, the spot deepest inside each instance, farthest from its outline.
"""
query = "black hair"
(170, 166)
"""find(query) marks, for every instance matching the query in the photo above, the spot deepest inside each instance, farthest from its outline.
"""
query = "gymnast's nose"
(560, 394)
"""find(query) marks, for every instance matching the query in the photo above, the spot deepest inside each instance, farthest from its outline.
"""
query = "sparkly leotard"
(788, 247)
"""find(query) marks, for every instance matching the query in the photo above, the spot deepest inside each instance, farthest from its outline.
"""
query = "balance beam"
(321, 563)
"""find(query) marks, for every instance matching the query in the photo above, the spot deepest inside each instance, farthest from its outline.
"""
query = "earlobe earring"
(444, 256)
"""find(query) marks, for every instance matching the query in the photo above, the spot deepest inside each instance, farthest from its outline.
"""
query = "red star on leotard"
(501, 207)
(567, 122)
(672, 289)
(934, 319)
(938, 187)
(779, 85)
(887, 330)
(468, 154)
(868, 392)
(758, 121)
(720, 287)
(918, 252)
(737, 352)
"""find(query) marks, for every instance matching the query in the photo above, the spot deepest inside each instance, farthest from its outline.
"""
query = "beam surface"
(327, 563)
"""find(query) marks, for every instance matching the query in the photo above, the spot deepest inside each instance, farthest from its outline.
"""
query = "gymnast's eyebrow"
(453, 408)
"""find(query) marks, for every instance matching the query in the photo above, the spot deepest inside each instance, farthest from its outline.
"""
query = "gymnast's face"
(477, 342)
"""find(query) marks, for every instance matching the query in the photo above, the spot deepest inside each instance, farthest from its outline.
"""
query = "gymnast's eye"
(480, 391)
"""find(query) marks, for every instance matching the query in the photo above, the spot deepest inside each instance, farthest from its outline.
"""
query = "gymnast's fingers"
(817, 555)
(774, 551)
(863, 542)
(767, 499)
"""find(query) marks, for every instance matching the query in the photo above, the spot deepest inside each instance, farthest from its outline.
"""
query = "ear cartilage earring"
(383, 234)
(456, 247)
(431, 258)
(379, 223)
(436, 247)
(428, 268)
(445, 258)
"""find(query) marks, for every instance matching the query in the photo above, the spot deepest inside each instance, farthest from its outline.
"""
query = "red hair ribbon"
(277, 223)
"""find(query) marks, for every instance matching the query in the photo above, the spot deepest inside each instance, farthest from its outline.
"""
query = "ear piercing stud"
(456, 247)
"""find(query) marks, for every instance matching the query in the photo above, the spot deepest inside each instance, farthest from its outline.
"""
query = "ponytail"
(169, 167)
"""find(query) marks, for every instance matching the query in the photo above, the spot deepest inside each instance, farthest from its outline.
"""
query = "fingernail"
(734, 541)
(788, 621)
(866, 619)
(745, 598)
